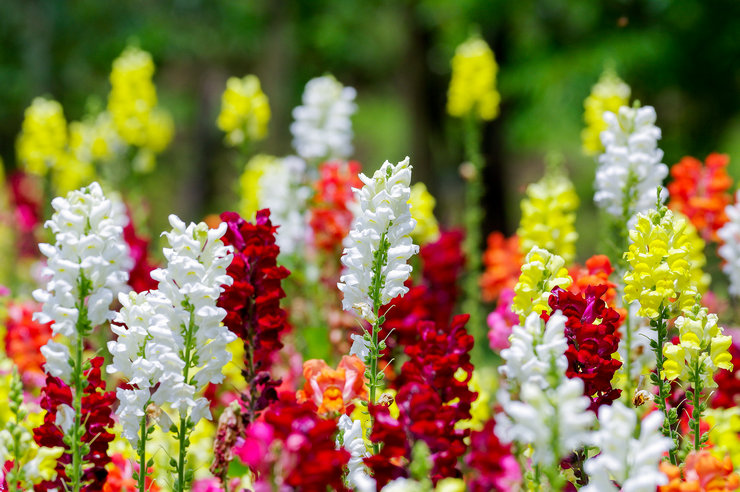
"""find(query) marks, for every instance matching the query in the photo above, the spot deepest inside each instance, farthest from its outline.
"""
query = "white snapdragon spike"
(193, 339)
(730, 249)
(322, 128)
(630, 169)
(282, 190)
(354, 444)
(89, 259)
(533, 347)
(632, 463)
(385, 216)
(554, 420)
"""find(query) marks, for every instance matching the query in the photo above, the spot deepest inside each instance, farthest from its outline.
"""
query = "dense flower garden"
(446, 367)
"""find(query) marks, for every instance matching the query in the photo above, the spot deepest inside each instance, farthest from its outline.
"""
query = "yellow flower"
(249, 183)
(484, 383)
(674, 366)
(609, 94)
(450, 485)
(132, 102)
(43, 138)
(548, 217)
(724, 432)
(542, 271)
(473, 85)
(700, 280)
(422, 210)
(660, 272)
(245, 110)
(70, 174)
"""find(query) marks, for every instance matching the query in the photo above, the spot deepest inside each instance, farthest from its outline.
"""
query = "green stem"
(472, 219)
(183, 430)
(142, 453)
(696, 402)
(76, 477)
(663, 386)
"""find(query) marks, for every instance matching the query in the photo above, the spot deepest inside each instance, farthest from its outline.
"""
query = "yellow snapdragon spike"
(249, 183)
(472, 88)
(724, 432)
(422, 210)
(609, 94)
(548, 217)
(658, 257)
(719, 353)
(674, 366)
(70, 174)
(542, 271)
(245, 110)
(43, 138)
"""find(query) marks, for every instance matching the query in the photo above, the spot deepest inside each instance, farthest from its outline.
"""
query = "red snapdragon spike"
(331, 216)
(492, 465)
(701, 192)
(591, 331)
(97, 405)
(301, 450)
(26, 196)
(140, 275)
(431, 400)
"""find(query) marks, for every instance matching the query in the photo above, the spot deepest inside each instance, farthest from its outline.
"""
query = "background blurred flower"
(472, 88)
(245, 110)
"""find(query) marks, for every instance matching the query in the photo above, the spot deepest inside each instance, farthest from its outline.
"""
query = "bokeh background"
(680, 56)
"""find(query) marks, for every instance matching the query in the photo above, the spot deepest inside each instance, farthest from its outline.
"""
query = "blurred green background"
(680, 56)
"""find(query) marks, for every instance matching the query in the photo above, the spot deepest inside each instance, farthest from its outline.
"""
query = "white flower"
(322, 128)
(533, 347)
(385, 215)
(555, 421)
(65, 418)
(57, 360)
(405, 485)
(632, 463)
(730, 249)
(630, 169)
(360, 347)
(357, 475)
(641, 354)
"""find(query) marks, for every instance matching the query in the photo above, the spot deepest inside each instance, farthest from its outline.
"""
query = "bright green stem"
(664, 387)
(142, 454)
(76, 477)
(472, 219)
(696, 402)
(628, 386)
(184, 428)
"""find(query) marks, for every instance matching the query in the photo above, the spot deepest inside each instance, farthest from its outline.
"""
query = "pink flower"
(501, 321)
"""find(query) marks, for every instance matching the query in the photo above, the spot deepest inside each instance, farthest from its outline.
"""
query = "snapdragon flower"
(630, 169)
(87, 266)
(422, 210)
(472, 88)
(608, 94)
(42, 142)
(378, 247)
(548, 216)
(245, 110)
(354, 444)
(729, 233)
(322, 129)
(542, 271)
(534, 345)
(629, 461)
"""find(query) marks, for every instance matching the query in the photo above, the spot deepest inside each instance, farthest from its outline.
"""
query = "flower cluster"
(96, 413)
(724, 433)
(422, 210)
(442, 266)
(245, 110)
(595, 272)
(701, 351)
(659, 271)
(140, 278)
(541, 273)
(380, 234)
(472, 88)
(503, 262)
(132, 102)
(86, 267)
(322, 128)
(702, 471)
(700, 192)
(25, 337)
(501, 321)
(593, 339)
(548, 217)
(495, 468)
(630, 169)
(730, 249)
(630, 462)
(292, 448)
(608, 94)
(332, 213)
(277, 184)
(42, 144)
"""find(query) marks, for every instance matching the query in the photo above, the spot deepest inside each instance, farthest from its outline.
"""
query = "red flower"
(331, 216)
(26, 197)
(430, 402)
(701, 192)
(591, 331)
(97, 407)
(492, 464)
(727, 393)
(25, 337)
(442, 262)
(140, 275)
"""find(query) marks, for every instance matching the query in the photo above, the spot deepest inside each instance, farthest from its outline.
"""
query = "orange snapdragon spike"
(700, 192)
(333, 389)
(25, 337)
(702, 472)
(503, 262)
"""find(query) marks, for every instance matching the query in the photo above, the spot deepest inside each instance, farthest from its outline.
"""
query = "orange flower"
(701, 192)
(503, 262)
(25, 337)
(596, 272)
(333, 389)
(701, 473)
